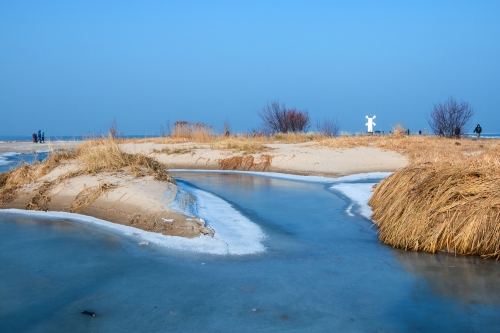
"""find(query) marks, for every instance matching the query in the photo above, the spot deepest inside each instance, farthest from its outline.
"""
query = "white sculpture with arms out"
(370, 123)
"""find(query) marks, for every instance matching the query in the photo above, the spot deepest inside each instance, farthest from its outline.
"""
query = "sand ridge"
(301, 159)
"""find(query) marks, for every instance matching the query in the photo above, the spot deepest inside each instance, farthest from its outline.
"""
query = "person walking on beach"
(34, 138)
(478, 130)
(43, 137)
(457, 132)
(40, 136)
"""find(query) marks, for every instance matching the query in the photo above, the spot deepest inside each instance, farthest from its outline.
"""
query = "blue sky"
(70, 67)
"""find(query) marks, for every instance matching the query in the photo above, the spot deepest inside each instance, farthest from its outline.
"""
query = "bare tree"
(328, 127)
(277, 118)
(113, 129)
(450, 117)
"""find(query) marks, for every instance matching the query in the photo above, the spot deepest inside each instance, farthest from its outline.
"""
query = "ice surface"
(9, 154)
(322, 271)
(311, 179)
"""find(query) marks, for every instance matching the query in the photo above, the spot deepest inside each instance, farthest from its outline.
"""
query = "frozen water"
(11, 160)
(309, 179)
(322, 270)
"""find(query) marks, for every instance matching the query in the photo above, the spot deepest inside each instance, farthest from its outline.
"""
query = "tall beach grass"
(445, 205)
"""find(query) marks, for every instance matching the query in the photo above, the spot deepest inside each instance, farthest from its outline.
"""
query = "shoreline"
(145, 203)
(229, 239)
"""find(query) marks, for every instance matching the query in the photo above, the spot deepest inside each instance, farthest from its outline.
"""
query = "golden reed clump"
(452, 206)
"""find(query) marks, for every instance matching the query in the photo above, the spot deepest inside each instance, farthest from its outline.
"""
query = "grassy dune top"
(92, 157)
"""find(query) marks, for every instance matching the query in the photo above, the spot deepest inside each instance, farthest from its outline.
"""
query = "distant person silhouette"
(40, 136)
(457, 132)
(43, 137)
(478, 130)
(34, 138)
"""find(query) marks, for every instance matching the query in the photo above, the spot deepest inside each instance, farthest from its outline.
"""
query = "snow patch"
(359, 193)
(238, 234)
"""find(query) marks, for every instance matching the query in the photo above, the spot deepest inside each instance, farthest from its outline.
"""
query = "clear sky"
(70, 67)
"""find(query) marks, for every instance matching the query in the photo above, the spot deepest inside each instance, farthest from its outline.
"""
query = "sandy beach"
(300, 159)
(26, 147)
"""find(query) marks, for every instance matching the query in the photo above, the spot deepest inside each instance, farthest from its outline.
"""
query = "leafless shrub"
(113, 130)
(227, 128)
(277, 118)
(450, 117)
(328, 127)
(165, 130)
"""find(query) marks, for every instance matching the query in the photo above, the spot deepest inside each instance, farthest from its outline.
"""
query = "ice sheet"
(313, 179)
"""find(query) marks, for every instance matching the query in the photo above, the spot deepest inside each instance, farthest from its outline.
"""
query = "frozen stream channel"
(310, 262)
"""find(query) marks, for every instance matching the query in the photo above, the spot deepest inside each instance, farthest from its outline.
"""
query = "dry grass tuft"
(399, 130)
(100, 155)
(198, 132)
(418, 148)
(104, 155)
(452, 206)
(174, 151)
(248, 162)
(88, 195)
(41, 199)
(12, 180)
(296, 137)
(241, 144)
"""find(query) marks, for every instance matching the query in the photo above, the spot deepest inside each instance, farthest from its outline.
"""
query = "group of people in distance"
(40, 137)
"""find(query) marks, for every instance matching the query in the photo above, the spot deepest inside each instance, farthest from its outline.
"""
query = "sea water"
(320, 268)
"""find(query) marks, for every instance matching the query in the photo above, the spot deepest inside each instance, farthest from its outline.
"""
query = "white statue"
(370, 123)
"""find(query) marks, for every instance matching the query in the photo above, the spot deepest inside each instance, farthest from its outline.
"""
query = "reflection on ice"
(468, 279)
